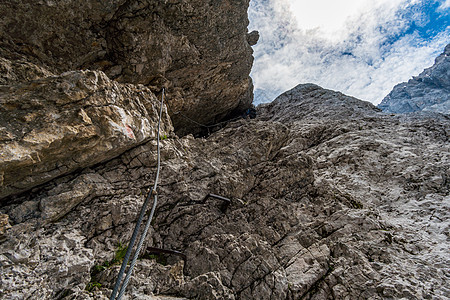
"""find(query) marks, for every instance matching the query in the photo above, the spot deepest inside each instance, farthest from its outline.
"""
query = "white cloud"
(356, 47)
(445, 5)
(329, 16)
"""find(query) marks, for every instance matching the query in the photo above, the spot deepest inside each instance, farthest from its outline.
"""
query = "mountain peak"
(429, 91)
(310, 101)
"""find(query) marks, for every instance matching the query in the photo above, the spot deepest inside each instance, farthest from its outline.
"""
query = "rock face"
(330, 199)
(430, 91)
(53, 126)
(199, 50)
(78, 78)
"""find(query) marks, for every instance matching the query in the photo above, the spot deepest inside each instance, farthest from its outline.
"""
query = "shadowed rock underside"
(199, 50)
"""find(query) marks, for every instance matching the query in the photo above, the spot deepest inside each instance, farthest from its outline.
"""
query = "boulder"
(56, 125)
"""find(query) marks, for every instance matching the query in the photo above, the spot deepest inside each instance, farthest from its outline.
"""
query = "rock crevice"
(322, 207)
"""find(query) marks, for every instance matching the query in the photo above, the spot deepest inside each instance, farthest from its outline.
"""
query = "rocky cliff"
(430, 91)
(330, 199)
(55, 125)
(78, 78)
(199, 50)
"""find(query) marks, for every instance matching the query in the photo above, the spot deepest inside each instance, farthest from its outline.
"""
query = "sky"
(359, 47)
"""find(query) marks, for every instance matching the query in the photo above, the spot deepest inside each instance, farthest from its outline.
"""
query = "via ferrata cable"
(152, 192)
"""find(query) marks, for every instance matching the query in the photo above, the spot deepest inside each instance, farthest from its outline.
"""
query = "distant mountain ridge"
(430, 91)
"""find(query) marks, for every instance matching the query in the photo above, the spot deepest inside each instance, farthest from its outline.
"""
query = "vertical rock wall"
(78, 78)
(197, 49)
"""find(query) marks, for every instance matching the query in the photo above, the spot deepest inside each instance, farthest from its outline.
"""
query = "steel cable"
(138, 223)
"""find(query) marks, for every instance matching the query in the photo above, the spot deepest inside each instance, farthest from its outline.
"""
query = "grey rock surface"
(55, 125)
(4, 225)
(429, 91)
(197, 49)
(330, 199)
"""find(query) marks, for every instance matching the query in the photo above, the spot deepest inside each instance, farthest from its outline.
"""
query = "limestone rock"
(58, 124)
(311, 102)
(4, 225)
(253, 37)
(63, 198)
(198, 50)
(429, 91)
(16, 71)
(43, 268)
(330, 199)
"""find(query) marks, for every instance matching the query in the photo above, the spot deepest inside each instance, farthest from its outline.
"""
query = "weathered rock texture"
(57, 115)
(53, 126)
(331, 199)
(430, 91)
(198, 50)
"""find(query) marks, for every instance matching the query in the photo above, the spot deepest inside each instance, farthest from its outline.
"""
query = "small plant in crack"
(92, 285)
(119, 255)
(98, 268)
